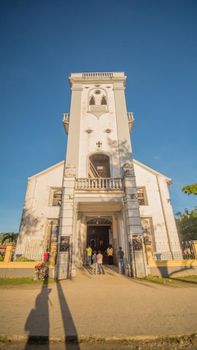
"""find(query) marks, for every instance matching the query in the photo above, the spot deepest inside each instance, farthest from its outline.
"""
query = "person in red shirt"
(99, 260)
(46, 256)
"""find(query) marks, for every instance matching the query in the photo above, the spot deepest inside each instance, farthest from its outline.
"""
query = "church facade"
(99, 195)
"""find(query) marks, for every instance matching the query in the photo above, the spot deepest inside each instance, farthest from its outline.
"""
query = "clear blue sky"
(43, 41)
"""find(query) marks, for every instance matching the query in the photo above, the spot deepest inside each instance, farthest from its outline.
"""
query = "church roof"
(136, 162)
(52, 167)
(146, 167)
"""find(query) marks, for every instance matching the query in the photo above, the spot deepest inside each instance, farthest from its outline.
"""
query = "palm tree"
(9, 237)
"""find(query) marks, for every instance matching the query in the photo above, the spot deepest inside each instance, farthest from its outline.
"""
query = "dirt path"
(98, 306)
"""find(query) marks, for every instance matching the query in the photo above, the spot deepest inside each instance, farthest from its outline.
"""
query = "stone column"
(65, 239)
(53, 255)
(133, 222)
(115, 237)
(8, 252)
(149, 254)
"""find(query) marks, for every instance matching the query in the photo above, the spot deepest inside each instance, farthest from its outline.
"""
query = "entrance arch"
(99, 165)
(99, 233)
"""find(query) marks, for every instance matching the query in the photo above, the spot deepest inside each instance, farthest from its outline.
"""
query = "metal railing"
(107, 184)
(188, 250)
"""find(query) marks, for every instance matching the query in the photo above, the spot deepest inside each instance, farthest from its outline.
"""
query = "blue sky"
(42, 42)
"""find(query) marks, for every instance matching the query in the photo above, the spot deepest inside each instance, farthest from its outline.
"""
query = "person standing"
(121, 260)
(99, 260)
(46, 256)
(110, 255)
(88, 255)
(94, 261)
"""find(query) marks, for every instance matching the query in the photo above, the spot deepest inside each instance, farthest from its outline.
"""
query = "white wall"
(160, 210)
(98, 125)
(37, 210)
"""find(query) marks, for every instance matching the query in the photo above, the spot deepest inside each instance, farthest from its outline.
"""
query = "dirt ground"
(93, 307)
(176, 343)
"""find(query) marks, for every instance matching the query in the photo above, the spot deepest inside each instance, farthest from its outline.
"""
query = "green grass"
(171, 280)
(22, 280)
(158, 280)
(187, 279)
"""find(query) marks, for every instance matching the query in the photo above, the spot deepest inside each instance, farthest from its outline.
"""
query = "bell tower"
(99, 174)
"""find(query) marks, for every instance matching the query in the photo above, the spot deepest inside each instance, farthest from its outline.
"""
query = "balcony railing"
(97, 75)
(101, 183)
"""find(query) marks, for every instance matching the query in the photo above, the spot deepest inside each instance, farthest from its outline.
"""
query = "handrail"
(101, 183)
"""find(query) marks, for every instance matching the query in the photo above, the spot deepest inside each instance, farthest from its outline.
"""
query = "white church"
(99, 195)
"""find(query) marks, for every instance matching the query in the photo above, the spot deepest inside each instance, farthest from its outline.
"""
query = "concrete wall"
(21, 269)
(173, 268)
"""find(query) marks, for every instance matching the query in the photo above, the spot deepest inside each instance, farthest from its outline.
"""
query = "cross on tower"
(99, 144)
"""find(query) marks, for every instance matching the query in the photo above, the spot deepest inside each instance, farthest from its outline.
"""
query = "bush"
(22, 259)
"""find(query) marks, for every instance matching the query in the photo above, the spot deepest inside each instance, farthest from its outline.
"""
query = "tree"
(9, 237)
(187, 224)
(190, 189)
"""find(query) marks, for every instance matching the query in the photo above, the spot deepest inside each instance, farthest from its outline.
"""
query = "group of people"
(95, 260)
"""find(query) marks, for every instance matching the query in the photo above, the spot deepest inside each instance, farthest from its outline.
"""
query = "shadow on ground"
(38, 322)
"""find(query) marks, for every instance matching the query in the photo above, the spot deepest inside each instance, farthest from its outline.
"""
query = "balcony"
(99, 184)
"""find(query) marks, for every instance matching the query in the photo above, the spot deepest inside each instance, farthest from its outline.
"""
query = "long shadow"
(70, 331)
(114, 269)
(165, 273)
(37, 323)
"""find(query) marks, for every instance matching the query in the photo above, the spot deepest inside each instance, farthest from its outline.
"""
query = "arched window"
(92, 101)
(103, 100)
(99, 165)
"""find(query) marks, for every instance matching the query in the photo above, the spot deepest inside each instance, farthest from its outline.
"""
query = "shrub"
(23, 259)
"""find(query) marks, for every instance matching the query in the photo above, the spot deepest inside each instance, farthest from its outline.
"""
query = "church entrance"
(99, 234)
(98, 237)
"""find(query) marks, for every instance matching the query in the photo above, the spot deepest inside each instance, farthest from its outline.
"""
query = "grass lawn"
(171, 280)
(23, 280)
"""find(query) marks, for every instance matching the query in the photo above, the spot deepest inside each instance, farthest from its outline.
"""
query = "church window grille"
(56, 197)
(103, 100)
(141, 196)
(92, 101)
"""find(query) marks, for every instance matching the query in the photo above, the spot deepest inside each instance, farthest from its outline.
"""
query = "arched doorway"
(99, 165)
(99, 233)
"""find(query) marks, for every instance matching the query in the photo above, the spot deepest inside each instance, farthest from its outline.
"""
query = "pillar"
(65, 239)
(133, 222)
(53, 254)
(194, 245)
(8, 252)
